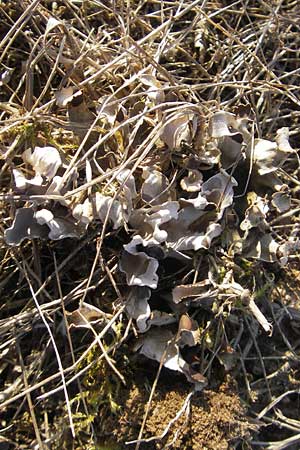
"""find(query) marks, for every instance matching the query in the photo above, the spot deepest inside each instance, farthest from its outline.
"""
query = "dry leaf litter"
(180, 193)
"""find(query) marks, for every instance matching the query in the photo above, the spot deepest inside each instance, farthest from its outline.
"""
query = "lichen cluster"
(149, 211)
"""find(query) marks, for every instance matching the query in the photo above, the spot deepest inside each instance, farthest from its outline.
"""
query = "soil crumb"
(215, 420)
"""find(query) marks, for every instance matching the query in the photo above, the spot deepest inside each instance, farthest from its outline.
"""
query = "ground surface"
(137, 106)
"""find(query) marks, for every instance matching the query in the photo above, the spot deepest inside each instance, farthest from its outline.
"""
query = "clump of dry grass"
(118, 87)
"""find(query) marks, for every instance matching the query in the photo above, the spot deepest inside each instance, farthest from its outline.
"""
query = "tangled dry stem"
(130, 95)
